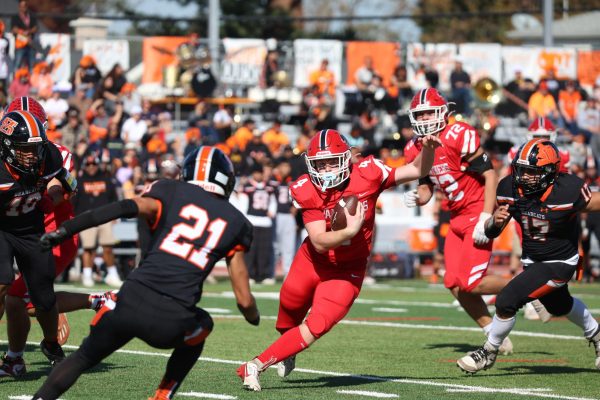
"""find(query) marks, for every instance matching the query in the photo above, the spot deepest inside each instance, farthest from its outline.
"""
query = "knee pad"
(318, 324)
(506, 304)
(558, 308)
(43, 299)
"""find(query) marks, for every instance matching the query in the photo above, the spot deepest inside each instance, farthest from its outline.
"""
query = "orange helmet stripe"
(34, 130)
(524, 155)
(202, 170)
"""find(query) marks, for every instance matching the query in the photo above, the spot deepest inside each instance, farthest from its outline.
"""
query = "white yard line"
(206, 395)
(390, 310)
(369, 394)
(533, 392)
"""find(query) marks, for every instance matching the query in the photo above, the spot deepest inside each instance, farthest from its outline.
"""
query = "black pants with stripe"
(36, 265)
(143, 313)
(258, 257)
(544, 281)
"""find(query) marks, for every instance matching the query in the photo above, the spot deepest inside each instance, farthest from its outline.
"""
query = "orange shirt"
(570, 101)
(275, 140)
(240, 138)
(325, 80)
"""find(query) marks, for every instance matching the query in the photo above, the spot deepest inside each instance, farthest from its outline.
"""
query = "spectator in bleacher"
(223, 122)
(95, 190)
(432, 76)
(24, 26)
(99, 120)
(41, 80)
(285, 220)
(20, 85)
(270, 67)
(130, 97)
(460, 81)
(200, 113)
(73, 130)
(420, 79)
(117, 76)
(114, 142)
(134, 127)
(588, 124)
(87, 76)
(542, 104)
(568, 103)
(400, 90)
(56, 108)
(256, 151)
(554, 85)
(363, 77)
(4, 58)
(354, 138)
(517, 92)
(276, 139)
(367, 123)
(242, 135)
(324, 79)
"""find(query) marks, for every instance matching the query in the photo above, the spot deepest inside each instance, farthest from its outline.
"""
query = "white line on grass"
(516, 391)
(369, 394)
(390, 310)
(207, 395)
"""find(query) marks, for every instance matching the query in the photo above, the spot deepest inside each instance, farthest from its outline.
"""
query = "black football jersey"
(549, 222)
(259, 197)
(195, 229)
(20, 194)
(284, 199)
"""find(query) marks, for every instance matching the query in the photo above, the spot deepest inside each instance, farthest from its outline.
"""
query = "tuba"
(487, 93)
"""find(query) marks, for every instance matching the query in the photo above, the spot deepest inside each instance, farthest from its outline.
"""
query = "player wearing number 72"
(463, 172)
(193, 226)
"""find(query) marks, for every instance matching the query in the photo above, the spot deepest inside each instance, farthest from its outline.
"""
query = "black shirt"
(194, 230)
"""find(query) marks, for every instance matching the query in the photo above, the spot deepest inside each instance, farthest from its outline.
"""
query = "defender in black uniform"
(193, 226)
(545, 204)
(29, 165)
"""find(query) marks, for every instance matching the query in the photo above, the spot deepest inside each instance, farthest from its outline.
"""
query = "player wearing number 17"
(193, 226)
(463, 172)
(327, 272)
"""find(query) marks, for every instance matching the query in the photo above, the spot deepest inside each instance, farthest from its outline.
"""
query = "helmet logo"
(8, 126)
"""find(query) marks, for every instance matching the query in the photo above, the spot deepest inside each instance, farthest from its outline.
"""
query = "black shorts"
(143, 313)
(547, 282)
(440, 230)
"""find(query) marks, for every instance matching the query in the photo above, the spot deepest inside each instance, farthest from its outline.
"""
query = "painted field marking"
(390, 310)
(207, 395)
(369, 394)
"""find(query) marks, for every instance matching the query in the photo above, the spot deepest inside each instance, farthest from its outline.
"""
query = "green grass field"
(400, 340)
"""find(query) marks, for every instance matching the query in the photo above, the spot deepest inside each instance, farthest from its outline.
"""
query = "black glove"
(51, 239)
(255, 321)
(244, 312)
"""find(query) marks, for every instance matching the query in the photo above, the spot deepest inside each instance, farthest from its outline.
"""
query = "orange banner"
(157, 53)
(385, 55)
(588, 66)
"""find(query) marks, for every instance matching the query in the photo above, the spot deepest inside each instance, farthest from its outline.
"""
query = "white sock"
(112, 270)
(580, 316)
(87, 272)
(14, 354)
(487, 329)
(500, 330)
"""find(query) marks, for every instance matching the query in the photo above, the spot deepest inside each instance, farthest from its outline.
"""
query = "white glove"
(410, 198)
(479, 237)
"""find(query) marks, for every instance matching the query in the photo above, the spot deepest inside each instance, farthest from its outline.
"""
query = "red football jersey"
(64, 210)
(565, 157)
(367, 180)
(463, 189)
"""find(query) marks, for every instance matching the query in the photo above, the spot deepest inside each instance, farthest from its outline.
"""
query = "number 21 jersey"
(193, 231)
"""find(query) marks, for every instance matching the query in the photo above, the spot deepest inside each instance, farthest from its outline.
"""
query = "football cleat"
(595, 341)
(478, 360)
(12, 366)
(53, 352)
(506, 347)
(64, 330)
(249, 374)
(285, 367)
(113, 280)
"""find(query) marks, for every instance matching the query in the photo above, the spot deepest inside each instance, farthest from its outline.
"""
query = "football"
(338, 218)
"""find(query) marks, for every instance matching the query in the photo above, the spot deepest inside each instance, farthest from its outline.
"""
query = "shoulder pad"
(462, 138)
(303, 192)
(373, 169)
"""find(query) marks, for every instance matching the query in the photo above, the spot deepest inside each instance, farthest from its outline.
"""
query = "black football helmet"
(536, 166)
(209, 168)
(23, 142)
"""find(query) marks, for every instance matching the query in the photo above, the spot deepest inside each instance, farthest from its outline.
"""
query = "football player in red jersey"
(544, 203)
(463, 172)
(328, 269)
